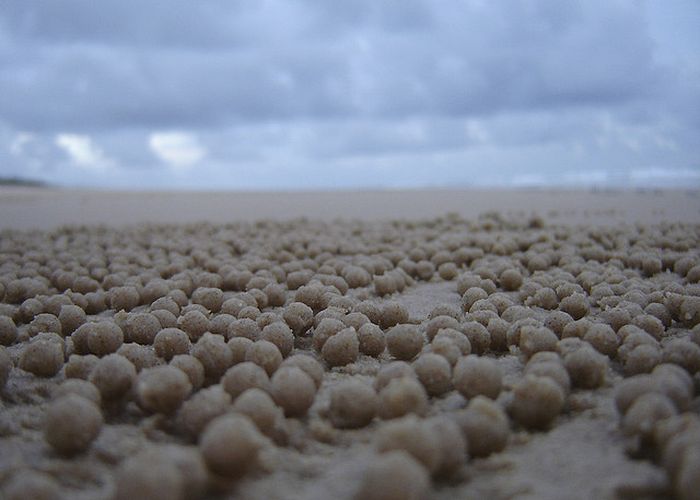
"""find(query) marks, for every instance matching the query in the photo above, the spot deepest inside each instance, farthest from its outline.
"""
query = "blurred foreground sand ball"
(72, 423)
(231, 445)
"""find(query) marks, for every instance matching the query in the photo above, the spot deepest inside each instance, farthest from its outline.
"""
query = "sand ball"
(72, 423)
(554, 369)
(80, 387)
(485, 426)
(425, 269)
(545, 297)
(537, 339)
(511, 279)
(299, 317)
(356, 276)
(342, 348)
(384, 285)
(24, 484)
(281, 335)
(674, 382)
(165, 304)
(141, 356)
(404, 341)
(265, 354)
(401, 396)
(557, 321)
(141, 328)
(369, 309)
(642, 359)
(645, 412)
(194, 324)
(687, 484)
(680, 442)
(162, 389)
(244, 376)
(451, 345)
(306, 362)
(42, 357)
(238, 347)
(537, 401)
(211, 298)
(80, 366)
(392, 370)
(353, 404)
(244, 327)
(192, 367)
(474, 375)
(586, 367)
(576, 305)
(201, 408)
(395, 475)
(434, 372)
(325, 330)
(472, 296)
(219, 324)
(414, 436)
(44, 323)
(165, 318)
(293, 390)
(355, 320)
(211, 350)
(629, 389)
(393, 313)
(123, 298)
(498, 333)
(113, 376)
(454, 449)
(438, 323)
(444, 310)
(478, 335)
(231, 445)
(276, 294)
(148, 476)
(8, 331)
(371, 339)
(5, 367)
(683, 353)
(170, 342)
(104, 338)
(259, 407)
(70, 316)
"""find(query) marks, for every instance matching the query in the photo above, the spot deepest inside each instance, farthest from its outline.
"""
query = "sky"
(314, 94)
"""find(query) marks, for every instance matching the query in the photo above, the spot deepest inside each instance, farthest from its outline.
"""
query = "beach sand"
(626, 265)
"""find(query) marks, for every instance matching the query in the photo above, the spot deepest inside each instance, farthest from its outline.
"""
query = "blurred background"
(312, 94)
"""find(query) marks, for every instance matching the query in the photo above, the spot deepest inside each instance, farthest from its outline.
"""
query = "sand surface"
(588, 242)
(24, 208)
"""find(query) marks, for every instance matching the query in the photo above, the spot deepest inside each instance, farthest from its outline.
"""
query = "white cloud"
(19, 142)
(83, 152)
(178, 149)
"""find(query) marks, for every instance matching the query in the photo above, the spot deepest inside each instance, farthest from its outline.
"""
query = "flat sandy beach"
(39, 208)
(428, 344)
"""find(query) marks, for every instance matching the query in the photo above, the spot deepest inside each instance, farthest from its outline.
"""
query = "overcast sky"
(279, 94)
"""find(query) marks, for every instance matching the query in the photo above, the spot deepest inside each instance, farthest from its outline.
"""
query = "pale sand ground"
(37, 208)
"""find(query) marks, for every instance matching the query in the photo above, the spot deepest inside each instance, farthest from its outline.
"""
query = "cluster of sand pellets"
(300, 359)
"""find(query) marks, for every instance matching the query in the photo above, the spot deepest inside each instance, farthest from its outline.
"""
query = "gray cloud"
(309, 81)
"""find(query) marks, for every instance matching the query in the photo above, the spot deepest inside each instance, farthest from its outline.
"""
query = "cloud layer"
(317, 94)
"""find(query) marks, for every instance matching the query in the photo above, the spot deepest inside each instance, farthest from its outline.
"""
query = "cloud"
(83, 152)
(177, 149)
(310, 85)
